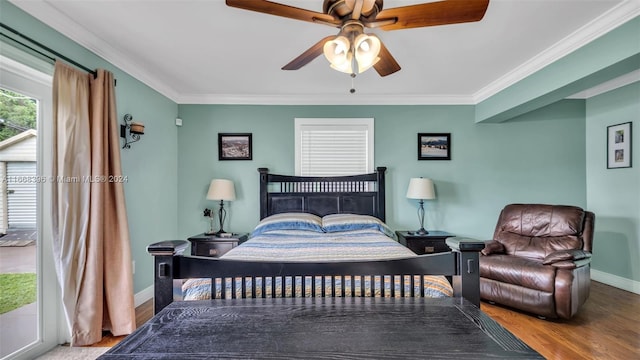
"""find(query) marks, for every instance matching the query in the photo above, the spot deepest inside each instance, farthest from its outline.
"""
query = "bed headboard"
(355, 194)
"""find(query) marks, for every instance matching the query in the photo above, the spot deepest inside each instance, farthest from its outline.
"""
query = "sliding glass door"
(29, 301)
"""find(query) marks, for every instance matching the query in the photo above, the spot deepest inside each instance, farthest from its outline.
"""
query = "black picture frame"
(434, 146)
(619, 146)
(235, 146)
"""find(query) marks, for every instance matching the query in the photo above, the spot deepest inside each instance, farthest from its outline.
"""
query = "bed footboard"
(461, 265)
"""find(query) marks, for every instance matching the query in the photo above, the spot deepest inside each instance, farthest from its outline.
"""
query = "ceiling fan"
(352, 50)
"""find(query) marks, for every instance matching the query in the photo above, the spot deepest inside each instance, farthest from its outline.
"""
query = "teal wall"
(538, 157)
(614, 194)
(150, 165)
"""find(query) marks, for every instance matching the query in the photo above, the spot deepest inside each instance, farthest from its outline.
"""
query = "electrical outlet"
(178, 122)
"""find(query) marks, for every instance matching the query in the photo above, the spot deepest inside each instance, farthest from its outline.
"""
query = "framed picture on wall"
(234, 146)
(434, 146)
(619, 146)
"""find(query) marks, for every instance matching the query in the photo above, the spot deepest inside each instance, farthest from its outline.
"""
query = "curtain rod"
(46, 48)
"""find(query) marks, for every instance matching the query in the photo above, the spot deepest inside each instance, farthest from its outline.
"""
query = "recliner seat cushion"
(519, 271)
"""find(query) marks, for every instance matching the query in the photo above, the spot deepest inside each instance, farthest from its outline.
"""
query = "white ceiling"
(198, 51)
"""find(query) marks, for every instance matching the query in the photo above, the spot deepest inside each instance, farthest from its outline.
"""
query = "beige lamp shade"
(221, 189)
(421, 188)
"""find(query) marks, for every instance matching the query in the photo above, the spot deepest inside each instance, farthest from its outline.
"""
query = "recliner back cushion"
(534, 231)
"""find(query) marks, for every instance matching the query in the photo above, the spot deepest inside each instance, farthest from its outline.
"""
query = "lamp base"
(422, 231)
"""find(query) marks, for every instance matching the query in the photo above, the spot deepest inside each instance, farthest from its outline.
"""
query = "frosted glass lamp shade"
(221, 189)
(421, 188)
(338, 52)
(354, 53)
(367, 48)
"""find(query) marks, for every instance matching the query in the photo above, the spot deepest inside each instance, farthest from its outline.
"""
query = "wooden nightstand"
(433, 242)
(215, 246)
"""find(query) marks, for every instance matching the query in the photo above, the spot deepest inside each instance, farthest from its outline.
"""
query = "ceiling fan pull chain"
(353, 88)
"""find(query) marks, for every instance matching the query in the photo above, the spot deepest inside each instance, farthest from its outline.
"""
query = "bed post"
(467, 282)
(264, 206)
(381, 193)
(164, 254)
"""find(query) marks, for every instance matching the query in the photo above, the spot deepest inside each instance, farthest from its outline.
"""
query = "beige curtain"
(90, 229)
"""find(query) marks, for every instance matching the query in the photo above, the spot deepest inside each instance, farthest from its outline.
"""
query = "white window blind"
(332, 147)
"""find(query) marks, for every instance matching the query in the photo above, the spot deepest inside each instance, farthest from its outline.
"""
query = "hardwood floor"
(605, 328)
(144, 312)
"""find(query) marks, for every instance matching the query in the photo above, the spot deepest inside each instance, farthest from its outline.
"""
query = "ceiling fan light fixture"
(346, 66)
(364, 66)
(355, 56)
(337, 51)
(354, 16)
(367, 49)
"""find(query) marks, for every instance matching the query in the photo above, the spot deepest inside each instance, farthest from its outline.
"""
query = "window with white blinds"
(333, 147)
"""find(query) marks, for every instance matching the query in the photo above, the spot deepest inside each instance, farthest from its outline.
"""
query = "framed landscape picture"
(619, 146)
(434, 146)
(234, 146)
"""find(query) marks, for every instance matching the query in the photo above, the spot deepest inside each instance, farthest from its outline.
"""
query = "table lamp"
(422, 189)
(221, 189)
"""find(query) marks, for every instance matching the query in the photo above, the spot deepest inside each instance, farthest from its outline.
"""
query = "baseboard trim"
(143, 296)
(616, 281)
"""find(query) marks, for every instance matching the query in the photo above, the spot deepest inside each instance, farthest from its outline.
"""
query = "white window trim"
(334, 123)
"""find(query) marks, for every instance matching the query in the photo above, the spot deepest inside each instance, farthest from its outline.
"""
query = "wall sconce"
(135, 130)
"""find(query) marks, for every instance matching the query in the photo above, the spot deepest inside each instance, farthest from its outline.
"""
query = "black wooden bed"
(327, 324)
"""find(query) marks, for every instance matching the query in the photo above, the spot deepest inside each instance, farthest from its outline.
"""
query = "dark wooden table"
(215, 246)
(433, 242)
(322, 328)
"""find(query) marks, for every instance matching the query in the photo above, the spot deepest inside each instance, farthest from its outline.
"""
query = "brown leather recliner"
(539, 259)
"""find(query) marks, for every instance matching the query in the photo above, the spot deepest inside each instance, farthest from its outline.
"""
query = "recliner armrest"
(492, 247)
(566, 256)
(570, 265)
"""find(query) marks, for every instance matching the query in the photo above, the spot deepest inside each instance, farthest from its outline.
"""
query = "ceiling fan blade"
(387, 65)
(434, 13)
(307, 56)
(272, 8)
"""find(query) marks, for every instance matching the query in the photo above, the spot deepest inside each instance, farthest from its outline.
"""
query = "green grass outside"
(16, 290)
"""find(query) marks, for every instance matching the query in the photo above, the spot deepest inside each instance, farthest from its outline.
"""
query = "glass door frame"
(52, 330)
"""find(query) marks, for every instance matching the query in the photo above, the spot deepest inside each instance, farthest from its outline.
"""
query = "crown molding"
(610, 20)
(324, 99)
